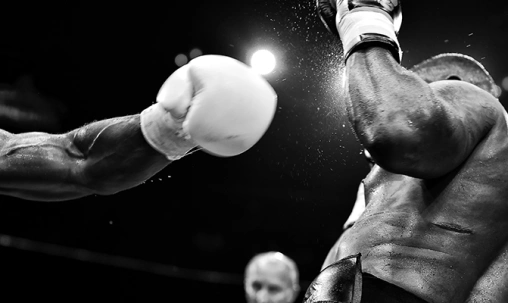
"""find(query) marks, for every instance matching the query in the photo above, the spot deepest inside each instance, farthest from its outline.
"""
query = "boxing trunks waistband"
(345, 282)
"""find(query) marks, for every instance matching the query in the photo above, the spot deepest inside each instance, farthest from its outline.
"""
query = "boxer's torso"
(437, 238)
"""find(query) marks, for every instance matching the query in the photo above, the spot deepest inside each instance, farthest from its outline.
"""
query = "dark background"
(188, 232)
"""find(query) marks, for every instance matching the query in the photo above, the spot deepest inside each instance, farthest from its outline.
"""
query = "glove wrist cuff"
(163, 133)
(363, 26)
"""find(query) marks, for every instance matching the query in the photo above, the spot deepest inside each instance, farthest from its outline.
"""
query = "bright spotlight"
(195, 52)
(263, 61)
(181, 59)
(504, 84)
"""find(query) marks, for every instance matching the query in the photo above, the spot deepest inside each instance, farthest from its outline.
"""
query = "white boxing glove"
(215, 102)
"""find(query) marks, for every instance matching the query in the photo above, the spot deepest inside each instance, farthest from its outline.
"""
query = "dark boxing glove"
(340, 282)
(357, 22)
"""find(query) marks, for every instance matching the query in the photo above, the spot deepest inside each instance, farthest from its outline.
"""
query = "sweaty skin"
(103, 157)
(436, 217)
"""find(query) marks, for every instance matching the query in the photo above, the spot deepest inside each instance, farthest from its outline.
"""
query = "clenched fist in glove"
(214, 102)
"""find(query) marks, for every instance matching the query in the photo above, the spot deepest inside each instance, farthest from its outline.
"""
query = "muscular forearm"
(103, 157)
(116, 155)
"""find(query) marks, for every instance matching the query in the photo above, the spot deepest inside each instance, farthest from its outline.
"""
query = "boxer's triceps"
(409, 126)
(102, 157)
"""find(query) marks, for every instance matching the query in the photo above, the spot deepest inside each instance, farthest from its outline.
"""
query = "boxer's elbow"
(409, 143)
(392, 150)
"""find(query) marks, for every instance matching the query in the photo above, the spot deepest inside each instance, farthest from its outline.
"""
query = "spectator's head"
(271, 277)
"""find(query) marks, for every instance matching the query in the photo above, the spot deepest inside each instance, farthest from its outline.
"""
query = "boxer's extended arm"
(103, 157)
(409, 126)
(215, 103)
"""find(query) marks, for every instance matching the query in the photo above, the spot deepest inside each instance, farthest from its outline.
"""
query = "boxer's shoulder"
(462, 94)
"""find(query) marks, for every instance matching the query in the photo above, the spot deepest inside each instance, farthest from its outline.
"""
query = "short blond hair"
(271, 256)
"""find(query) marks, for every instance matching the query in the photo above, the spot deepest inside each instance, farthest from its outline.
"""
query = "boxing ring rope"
(84, 255)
